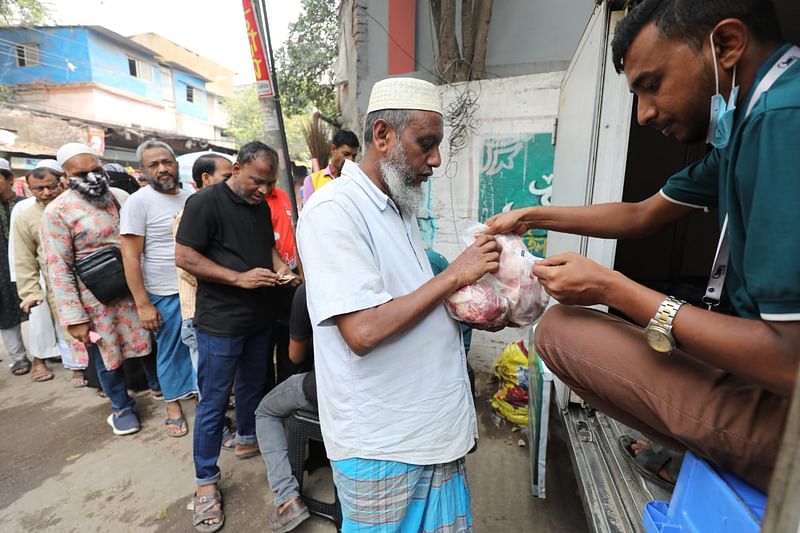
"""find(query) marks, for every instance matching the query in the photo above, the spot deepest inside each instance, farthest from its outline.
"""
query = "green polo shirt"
(755, 180)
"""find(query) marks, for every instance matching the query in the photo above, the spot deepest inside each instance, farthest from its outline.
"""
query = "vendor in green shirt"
(687, 377)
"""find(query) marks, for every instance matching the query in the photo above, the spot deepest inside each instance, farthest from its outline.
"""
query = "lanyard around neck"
(720, 267)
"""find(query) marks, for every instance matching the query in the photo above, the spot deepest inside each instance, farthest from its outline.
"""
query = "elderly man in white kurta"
(394, 397)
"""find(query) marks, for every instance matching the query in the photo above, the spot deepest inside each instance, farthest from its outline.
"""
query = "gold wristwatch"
(658, 332)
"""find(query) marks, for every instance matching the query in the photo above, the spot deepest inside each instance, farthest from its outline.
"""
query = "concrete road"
(62, 470)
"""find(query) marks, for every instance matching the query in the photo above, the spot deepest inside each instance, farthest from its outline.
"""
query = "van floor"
(63, 470)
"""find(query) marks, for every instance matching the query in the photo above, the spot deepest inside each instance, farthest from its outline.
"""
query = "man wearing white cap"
(80, 223)
(26, 259)
(11, 316)
(394, 396)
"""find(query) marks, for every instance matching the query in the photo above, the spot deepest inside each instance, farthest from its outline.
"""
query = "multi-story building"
(120, 90)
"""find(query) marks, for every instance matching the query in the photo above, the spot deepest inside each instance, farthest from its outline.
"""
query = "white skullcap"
(49, 164)
(405, 93)
(70, 150)
(4, 165)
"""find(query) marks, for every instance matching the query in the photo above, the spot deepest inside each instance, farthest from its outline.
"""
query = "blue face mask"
(720, 125)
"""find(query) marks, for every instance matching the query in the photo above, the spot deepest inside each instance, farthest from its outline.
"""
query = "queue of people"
(221, 282)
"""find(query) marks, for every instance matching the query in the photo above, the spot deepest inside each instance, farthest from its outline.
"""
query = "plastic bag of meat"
(512, 296)
(479, 304)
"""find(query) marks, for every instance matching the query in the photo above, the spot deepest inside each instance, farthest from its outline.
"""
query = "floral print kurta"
(29, 262)
(72, 224)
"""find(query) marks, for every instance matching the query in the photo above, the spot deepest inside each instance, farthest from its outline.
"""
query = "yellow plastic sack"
(511, 399)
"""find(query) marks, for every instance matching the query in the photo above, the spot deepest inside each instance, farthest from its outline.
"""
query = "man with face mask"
(80, 222)
(691, 379)
(394, 395)
(148, 251)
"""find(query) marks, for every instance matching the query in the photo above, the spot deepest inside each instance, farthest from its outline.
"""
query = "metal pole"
(263, 23)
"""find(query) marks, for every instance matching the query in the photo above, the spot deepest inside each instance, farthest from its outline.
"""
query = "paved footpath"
(62, 470)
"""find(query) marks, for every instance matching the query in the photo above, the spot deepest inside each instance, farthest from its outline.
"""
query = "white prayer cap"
(404, 93)
(5, 167)
(50, 164)
(70, 150)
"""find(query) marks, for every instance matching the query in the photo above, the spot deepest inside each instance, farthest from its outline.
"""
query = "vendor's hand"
(27, 306)
(509, 222)
(149, 316)
(479, 259)
(256, 278)
(573, 279)
(80, 332)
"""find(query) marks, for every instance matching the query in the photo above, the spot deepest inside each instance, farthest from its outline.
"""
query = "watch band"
(667, 311)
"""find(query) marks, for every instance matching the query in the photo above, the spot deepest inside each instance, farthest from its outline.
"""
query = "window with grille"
(27, 55)
(190, 94)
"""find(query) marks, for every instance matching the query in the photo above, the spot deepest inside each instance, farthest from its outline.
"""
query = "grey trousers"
(12, 338)
(281, 402)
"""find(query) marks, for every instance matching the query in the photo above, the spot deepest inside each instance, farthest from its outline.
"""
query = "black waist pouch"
(102, 273)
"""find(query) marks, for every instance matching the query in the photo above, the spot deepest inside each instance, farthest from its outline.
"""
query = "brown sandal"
(204, 510)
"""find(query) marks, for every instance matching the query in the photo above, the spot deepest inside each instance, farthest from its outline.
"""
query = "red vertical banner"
(260, 65)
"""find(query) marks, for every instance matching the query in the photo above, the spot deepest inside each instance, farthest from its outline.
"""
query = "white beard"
(398, 178)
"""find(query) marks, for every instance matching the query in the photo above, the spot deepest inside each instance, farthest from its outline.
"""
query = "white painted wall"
(522, 106)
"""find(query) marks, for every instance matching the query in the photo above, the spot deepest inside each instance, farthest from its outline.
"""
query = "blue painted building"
(92, 73)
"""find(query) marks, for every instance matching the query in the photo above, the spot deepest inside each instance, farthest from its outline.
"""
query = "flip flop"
(180, 421)
(650, 461)
(21, 367)
(246, 451)
(41, 374)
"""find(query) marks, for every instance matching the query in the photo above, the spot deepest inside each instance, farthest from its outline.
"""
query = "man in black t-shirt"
(225, 239)
(296, 392)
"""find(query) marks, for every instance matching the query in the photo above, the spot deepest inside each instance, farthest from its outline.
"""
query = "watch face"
(658, 339)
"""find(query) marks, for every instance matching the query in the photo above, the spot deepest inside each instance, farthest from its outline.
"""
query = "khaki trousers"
(674, 399)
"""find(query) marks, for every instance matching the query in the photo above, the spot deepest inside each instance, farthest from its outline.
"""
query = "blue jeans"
(287, 397)
(113, 381)
(221, 358)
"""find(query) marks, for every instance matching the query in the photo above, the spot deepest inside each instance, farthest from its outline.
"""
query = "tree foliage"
(24, 12)
(305, 62)
(245, 120)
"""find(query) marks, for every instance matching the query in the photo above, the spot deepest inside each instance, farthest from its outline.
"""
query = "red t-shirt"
(281, 208)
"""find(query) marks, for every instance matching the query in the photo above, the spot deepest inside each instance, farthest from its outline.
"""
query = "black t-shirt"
(227, 230)
(300, 330)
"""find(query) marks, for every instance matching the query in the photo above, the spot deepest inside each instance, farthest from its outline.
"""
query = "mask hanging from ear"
(720, 126)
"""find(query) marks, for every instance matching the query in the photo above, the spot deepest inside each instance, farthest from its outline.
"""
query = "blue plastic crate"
(706, 502)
